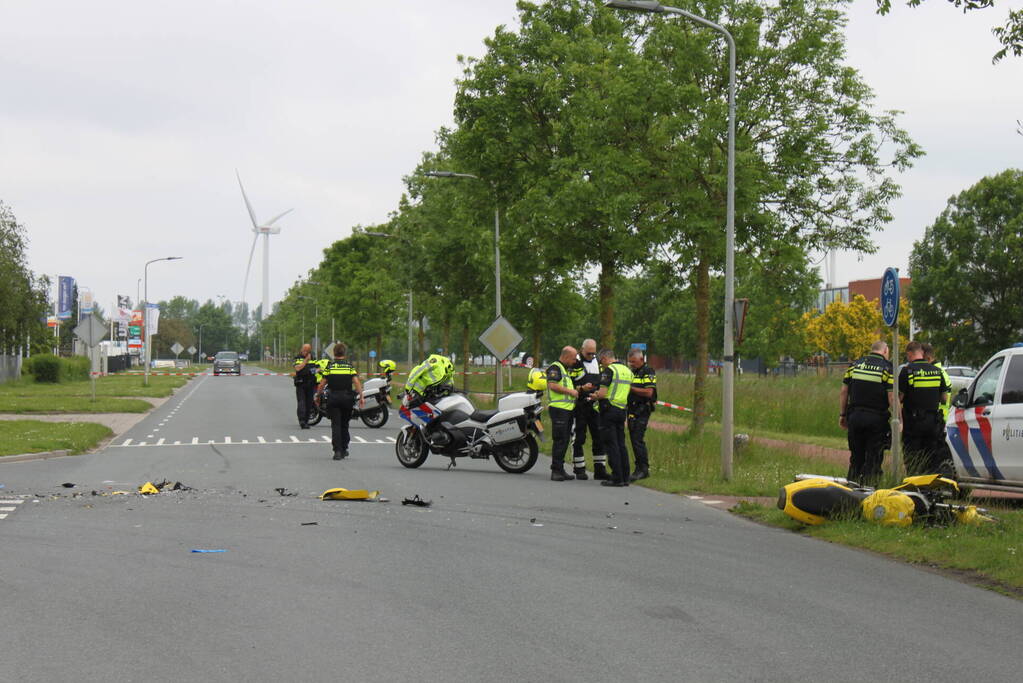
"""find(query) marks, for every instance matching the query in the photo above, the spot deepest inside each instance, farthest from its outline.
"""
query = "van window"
(1012, 389)
(983, 389)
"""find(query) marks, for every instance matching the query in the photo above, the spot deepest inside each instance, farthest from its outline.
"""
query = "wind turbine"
(265, 230)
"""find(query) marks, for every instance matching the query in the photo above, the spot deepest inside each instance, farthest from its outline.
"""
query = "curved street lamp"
(145, 311)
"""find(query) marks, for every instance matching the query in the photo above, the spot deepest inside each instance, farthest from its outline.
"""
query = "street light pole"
(497, 257)
(728, 355)
(145, 312)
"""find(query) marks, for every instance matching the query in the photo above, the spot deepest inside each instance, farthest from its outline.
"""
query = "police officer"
(342, 382)
(864, 412)
(305, 384)
(429, 376)
(945, 464)
(922, 390)
(585, 377)
(612, 398)
(642, 399)
(561, 405)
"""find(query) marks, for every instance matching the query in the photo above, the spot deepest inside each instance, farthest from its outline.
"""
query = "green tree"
(23, 296)
(844, 330)
(966, 292)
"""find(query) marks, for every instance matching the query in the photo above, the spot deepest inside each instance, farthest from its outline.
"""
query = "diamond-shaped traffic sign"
(501, 338)
(177, 348)
(192, 350)
(91, 330)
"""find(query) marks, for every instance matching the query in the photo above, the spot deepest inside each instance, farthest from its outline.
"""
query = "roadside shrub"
(75, 368)
(44, 367)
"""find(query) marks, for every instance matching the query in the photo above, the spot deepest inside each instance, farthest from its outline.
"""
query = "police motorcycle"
(814, 499)
(445, 422)
(377, 394)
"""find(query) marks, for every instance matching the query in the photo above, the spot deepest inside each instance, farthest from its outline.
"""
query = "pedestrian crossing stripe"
(290, 440)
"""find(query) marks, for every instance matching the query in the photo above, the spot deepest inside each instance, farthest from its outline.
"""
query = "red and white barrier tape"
(672, 405)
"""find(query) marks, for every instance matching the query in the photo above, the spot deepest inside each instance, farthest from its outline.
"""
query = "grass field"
(35, 436)
(114, 394)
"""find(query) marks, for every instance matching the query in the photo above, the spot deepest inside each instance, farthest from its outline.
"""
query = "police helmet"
(537, 380)
(387, 365)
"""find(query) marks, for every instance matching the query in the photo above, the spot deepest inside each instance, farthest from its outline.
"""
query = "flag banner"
(85, 305)
(153, 319)
(65, 296)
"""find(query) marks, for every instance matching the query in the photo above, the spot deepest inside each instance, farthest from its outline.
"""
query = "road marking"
(177, 443)
(316, 442)
(295, 439)
(358, 439)
(3, 516)
(11, 502)
(227, 439)
(713, 502)
(8, 509)
(245, 440)
(141, 443)
(261, 439)
(126, 442)
(195, 440)
(160, 442)
(277, 441)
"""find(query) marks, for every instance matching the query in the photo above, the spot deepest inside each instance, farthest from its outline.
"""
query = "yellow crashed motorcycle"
(814, 499)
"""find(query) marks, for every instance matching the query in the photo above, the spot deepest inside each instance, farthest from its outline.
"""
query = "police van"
(985, 425)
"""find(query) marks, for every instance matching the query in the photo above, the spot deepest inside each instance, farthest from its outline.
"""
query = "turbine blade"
(252, 214)
(277, 218)
(252, 251)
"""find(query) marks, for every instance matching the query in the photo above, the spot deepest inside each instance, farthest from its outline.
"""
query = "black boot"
(639, 474)
(600, 472)
(338, 455)
(580, 473)
(561, 475)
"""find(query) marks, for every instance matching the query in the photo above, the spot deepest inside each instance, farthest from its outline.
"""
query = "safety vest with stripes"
(621, 381)
(556, 400)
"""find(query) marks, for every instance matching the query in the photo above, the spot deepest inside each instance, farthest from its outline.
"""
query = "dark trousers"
(586, 418)
(562, 423)
(866, 435)
(922, 440)
(339, 410)
(304, 395)
(612, 433)
(637, 437)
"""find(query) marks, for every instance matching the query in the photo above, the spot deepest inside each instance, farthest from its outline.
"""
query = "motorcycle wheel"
(376, 418)
(518, 457)
(315, 415)
(411, 450)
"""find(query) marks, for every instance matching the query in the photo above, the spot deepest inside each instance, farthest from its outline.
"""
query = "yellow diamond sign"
(501, 338)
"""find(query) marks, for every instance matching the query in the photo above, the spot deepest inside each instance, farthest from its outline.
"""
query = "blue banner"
(65, 296)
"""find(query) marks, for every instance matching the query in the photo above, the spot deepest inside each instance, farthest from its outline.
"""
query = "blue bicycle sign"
(890, 297)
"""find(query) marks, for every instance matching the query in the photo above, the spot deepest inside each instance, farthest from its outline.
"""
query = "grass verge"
(989, 555)
(26, 396)
(35, 436)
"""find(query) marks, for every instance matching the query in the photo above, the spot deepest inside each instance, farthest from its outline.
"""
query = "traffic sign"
(638, 345)
(191, 350)
(372, 354)
(500, 338)
(890, 297)
(91, 331)
(177, 348)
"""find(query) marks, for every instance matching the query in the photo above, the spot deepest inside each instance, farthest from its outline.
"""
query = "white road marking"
(3, 516)
(11, 502)
(160, 442)
(177, 443)
(245, 440)
(326, 438)
(713, 502)
(358, 439)
(127, 442)
(195, 440)
(227, 439)
(295, 439)
(695, 497)
(277, 441)
(261, 439)
(8, 509)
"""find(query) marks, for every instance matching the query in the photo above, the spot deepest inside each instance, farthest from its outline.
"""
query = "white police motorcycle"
(448, 424)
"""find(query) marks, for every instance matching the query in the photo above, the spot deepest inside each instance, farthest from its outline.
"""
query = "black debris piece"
(285, 492)
(310, 523)
(416, 500)
(68, 485)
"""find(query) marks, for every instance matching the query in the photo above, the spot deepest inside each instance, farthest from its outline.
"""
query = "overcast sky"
(122, 124)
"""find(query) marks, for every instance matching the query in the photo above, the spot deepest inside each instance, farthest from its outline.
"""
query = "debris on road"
(417, 501)
(208, 550)
(285, 492)
(346, 494)
(150, 488)
(68, 485)
(310, 523)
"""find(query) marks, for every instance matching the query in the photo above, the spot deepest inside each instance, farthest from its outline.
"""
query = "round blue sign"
(372, 354)
(890, 297)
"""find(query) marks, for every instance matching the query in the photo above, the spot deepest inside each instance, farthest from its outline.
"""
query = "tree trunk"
(447, 335)
(422, 339)
(702, 343)
(537, 332)
(465, 356)
(380, 347)
(606, 297)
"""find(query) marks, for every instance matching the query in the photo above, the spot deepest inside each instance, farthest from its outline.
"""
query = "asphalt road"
(505, 577)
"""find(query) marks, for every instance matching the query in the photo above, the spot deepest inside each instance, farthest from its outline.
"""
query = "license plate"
(539, 426)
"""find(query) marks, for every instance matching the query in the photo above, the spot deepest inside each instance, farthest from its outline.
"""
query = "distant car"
(961, 377)
(243, 356)
(227, 361)
(985, 426)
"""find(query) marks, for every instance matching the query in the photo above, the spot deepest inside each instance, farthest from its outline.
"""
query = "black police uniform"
(921, 385)
(339, 374)
(562, 423)
(868, 382)
(640, 410)
(305, 389)
(612, 433)
(587, 418)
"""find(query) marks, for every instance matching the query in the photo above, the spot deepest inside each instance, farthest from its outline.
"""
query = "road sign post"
(890, 314)
(91, 331)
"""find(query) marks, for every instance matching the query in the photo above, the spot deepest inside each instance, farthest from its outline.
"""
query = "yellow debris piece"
(346, 494)
(148, 488)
